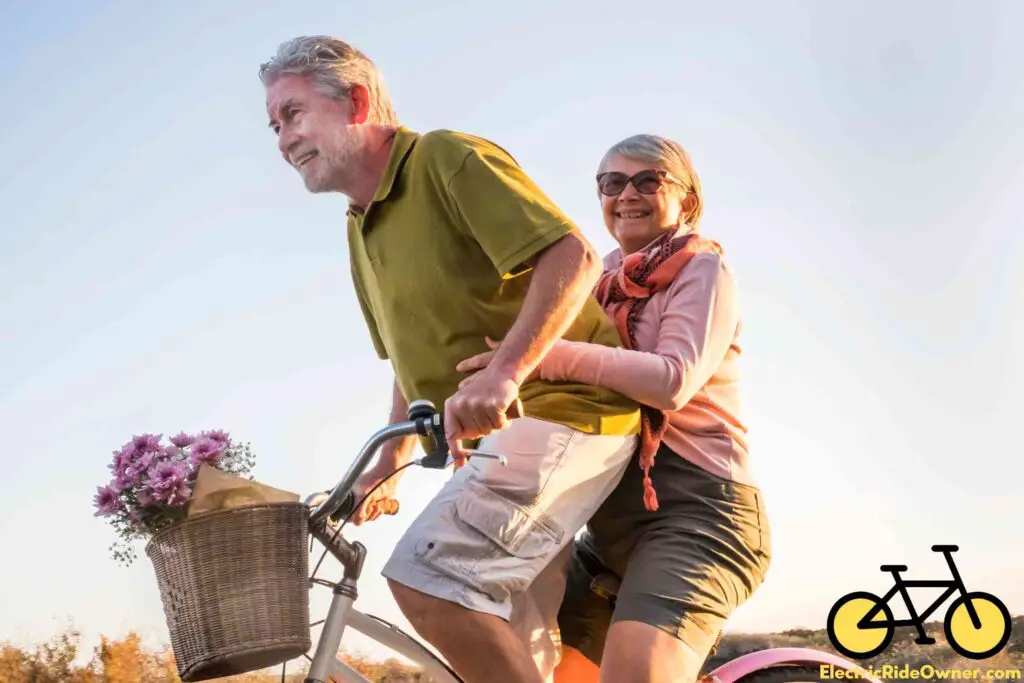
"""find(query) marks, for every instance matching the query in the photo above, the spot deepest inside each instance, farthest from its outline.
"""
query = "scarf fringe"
(650, 496)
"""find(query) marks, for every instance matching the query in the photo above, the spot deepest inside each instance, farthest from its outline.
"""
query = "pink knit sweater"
(687, 364)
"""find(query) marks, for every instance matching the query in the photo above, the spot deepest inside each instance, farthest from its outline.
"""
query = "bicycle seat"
(894, 567)
(945, 548)
(606, 585)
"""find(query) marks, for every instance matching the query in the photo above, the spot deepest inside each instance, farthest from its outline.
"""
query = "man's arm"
(562, 279)
(397, 452)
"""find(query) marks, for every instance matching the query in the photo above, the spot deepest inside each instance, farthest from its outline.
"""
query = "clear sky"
(162, 269)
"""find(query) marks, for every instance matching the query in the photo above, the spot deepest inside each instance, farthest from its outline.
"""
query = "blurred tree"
(13, 665)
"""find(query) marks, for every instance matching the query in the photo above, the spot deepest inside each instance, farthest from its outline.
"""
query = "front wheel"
(845, 630)
(790, 674)
(992, 632)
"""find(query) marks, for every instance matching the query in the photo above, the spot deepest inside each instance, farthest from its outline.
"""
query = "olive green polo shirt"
(438, 260)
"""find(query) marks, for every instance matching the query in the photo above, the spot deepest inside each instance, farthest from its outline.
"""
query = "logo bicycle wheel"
(982, 638)
(852, 633)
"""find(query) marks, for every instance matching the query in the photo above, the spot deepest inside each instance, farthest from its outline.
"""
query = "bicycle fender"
(778, 656)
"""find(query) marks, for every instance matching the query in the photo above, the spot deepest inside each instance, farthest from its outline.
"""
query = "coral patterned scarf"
(623, 292)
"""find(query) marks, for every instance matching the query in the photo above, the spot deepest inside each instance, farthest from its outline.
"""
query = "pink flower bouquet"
(152, 482)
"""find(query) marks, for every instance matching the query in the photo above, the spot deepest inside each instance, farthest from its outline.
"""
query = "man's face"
(315, 133)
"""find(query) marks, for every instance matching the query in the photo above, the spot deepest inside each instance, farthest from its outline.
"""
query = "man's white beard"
(335, 167)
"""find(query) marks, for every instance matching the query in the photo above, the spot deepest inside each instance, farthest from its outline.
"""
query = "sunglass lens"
(646, 182)
(612, 183)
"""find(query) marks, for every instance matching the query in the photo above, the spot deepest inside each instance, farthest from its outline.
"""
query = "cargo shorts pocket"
(494, 545)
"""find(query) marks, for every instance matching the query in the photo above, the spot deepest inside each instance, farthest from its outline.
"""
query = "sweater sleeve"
(695, 332)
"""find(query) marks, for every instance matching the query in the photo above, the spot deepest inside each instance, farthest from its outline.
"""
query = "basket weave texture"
(235, 588)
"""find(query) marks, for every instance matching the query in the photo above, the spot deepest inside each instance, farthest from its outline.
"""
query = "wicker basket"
(235, 588)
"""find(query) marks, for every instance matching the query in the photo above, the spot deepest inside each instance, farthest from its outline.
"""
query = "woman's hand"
(479, 361)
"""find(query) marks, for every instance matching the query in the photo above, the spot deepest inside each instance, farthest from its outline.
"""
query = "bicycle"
(329, 512)
(977, 624)
(777, 665)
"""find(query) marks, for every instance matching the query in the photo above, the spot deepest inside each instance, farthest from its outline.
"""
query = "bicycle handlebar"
(425, 421)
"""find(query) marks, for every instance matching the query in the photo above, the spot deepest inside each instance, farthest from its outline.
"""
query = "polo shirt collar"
(404, 140)
(400, 148)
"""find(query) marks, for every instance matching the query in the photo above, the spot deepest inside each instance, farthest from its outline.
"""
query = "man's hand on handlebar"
(477, 409)
(382, 501)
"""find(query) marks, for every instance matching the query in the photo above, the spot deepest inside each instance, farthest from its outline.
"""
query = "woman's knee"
(641, 653)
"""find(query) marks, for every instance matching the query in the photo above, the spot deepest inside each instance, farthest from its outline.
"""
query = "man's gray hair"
(666, 155)
(333, 67)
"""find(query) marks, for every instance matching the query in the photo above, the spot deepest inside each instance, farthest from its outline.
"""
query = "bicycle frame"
(951, 585)
(390, 637)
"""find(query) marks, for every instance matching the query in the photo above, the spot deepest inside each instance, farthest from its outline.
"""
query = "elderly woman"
(685, 532)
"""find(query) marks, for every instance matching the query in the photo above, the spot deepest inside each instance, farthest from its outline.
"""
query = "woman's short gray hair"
(333, 66)
(666, 155)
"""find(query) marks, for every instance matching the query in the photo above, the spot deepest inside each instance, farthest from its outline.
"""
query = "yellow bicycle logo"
(977, 625)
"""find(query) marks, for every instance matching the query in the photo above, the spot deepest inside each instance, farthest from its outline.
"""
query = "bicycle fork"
(334, 627)
(971, 611)
(351, 556)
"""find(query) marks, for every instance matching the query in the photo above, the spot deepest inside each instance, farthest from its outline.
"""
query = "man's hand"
(394, 455)
(371, 508)
(477, 409)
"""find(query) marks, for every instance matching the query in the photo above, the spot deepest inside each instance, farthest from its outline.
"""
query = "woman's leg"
(696, 560)
(684, 569)
(648, 655)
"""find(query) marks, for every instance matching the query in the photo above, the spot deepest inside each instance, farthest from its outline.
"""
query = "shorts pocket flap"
(519, 530)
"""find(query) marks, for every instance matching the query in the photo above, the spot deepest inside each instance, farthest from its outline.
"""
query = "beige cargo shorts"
(492, 529)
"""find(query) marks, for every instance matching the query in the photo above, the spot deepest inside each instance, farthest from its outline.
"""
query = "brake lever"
(431, 430)
(473, 453)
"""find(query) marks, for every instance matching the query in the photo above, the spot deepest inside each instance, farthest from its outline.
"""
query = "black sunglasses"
(612, 183)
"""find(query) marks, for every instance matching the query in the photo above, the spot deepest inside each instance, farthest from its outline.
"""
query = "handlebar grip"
(347, 507)
(514, 411)
(436, 446)
(388, 506)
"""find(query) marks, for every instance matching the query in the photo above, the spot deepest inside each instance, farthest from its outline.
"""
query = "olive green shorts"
(683, 569)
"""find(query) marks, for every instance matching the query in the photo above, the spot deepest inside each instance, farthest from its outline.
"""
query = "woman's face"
(635, 218)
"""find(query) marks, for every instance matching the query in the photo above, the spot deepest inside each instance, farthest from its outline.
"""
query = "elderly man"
(450, 243)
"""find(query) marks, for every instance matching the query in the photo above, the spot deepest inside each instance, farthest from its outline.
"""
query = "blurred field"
(127, 661)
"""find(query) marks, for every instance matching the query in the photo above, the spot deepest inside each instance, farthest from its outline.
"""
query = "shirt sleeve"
(696, 330)
(504, 211)
(371, 322)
